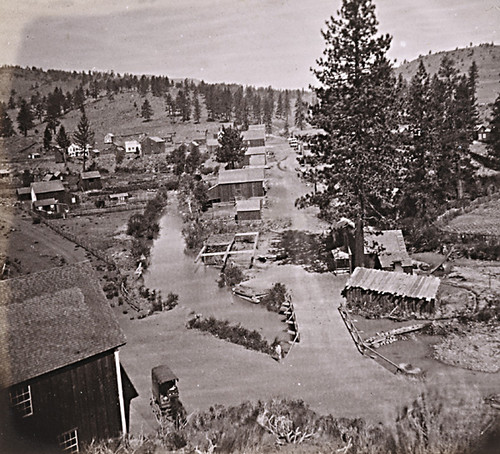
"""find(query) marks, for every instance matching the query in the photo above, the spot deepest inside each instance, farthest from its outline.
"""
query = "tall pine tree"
(356, 160)
(84, 136)
(24, 118)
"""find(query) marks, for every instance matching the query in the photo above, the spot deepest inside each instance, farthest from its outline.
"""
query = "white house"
(75, 151)
(132, 146)
(109, 138)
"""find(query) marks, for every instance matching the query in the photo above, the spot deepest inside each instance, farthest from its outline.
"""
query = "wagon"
(164, 386)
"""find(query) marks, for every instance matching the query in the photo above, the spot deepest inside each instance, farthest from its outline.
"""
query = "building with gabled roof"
(238, 184)
(59, 359)
(255, 157)
(48, 190)
(380, 293)
(90, 180)
(386, 250)
(248, 209)
(255, 137)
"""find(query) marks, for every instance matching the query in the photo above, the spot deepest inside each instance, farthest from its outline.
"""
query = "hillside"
(487, 58)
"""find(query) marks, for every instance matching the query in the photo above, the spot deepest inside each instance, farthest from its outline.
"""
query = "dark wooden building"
(379, 293)
(48, 190)
(152, 145)
(90, 180)
(59, 361)
(238, 184)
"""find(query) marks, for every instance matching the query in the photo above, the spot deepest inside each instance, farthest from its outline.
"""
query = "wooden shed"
(255, 157)
(254, 137)
(90, 180)
(152, 145)
(248, 210)
(48, 190)
(379, 293)
(59, 360)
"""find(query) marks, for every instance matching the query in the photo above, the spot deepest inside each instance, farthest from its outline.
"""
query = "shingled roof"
(400, 284)
(52, 319)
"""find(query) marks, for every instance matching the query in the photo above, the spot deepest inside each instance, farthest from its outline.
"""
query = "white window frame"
(68, 441)
(20, 400)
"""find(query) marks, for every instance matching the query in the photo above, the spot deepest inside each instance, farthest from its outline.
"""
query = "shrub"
(275, 298)
(172, 301)
(231, 276)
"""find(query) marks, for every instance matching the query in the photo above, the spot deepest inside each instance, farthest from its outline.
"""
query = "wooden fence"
(361, 345)
(288, 310)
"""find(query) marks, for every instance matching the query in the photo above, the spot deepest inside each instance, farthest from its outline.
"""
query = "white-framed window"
(20, 400)
(68, 441)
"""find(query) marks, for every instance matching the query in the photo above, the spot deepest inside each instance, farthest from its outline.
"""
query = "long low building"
(238, 184)
(379, 293)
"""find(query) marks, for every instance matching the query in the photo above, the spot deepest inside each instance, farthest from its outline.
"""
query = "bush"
(275, 298)
(235, 334)
(172, 301)
(231, 276)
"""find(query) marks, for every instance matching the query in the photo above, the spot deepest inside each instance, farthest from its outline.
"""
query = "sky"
(252, 42)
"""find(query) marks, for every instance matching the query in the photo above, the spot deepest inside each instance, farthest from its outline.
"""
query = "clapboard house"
(152, 145)
(238, 184)
(378, 293)
(255, 157)
(54, 189)
(59, 359)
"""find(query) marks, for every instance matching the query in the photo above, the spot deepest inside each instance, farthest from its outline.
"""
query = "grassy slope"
(487, 58)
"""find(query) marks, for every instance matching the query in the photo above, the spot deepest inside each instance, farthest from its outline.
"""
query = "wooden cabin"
(255, 157)
(59, 360)
(90, 180)
(255, 136)
(248, 210)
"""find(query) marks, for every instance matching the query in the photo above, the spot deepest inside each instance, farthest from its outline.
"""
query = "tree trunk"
(359, 246)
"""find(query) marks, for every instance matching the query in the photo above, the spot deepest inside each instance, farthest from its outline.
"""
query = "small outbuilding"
(109, 138)
(90, 180)
(23, 194)
(248, 210)
(386, 250)
(255, 157)
(379, 293)
(212, 145)
(132, 147)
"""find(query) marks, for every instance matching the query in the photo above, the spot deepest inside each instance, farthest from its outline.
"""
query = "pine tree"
(231, 149)
(47, 138)
(24, 118)
(300, 116)
(146, 110)
(197, 110)
(84, 136)
(62, 139)
(6, 127)
(279, 106)
(494, 144)
(357, 157)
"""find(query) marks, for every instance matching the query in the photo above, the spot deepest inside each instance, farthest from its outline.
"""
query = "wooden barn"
(90, 180)
(379, 293)
(238, 184)
(48, 190)
(153, 145)
(248, 210)
(59, 360)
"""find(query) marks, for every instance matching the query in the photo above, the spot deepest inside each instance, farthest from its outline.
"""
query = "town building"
(255, 137)
(212, 145)
(132, 146)
(152, 145)
(248, 210)
(109, 138)
(255, 157)
(48, 190)
(75, 151)
(238, 184)
(59, 359)
(90, 180)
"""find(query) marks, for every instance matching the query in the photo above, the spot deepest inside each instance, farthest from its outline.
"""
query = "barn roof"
(21, 191)
(400, 284)
(241, 175)
(248, 205)
(91, 174)
(52, 319)
(45, 202)
(157, 139)
(389, 245)
(41, 187)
